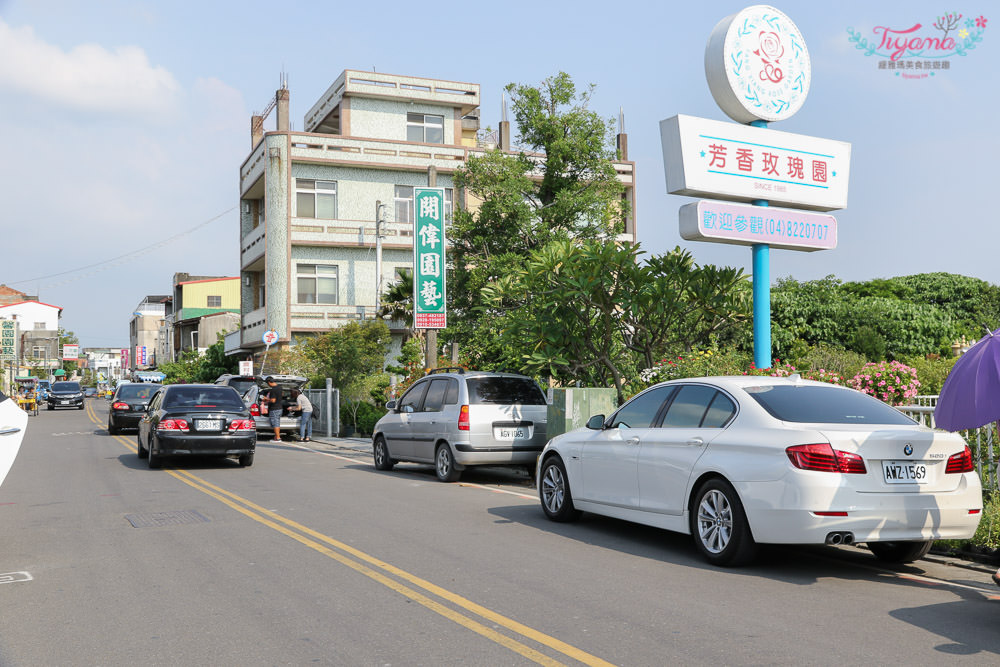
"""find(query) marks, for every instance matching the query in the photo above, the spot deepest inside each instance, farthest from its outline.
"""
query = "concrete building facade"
(144, 330)
(308, 199)
(202, 308)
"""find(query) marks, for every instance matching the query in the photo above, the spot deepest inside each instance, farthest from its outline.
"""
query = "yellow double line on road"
(379, 571)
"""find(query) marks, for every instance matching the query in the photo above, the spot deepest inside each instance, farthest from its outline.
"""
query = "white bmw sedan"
(738, 461)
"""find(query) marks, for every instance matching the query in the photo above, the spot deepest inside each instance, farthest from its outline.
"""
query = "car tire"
(899, 552)
(554, 492)
(380, 452)
(140, 450)
(81, 407)
(50, 407)
(246, 460)
(112, 430)
(719, 525)
(444, 464)
(155, 460)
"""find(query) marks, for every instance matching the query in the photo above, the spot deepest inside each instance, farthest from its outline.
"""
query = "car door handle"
(7, 430)
(632, 441)
(696, 442)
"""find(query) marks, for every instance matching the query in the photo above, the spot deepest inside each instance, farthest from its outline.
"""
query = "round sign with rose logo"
(757, 65)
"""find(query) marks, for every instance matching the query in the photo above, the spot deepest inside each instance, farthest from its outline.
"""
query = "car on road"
(739, 461)
(456, 418)
(128, 404)
(89, 392)
(65, 395)
(252, 387)
(196, 420)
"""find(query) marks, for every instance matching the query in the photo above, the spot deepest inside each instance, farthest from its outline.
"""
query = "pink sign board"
(430, 321)
(742, 224)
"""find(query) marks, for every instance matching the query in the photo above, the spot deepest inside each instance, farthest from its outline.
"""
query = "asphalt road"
(313, 557)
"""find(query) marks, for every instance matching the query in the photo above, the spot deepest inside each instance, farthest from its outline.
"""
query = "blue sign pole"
(761, 294)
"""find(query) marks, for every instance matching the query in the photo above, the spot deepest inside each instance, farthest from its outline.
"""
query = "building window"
(40, 325)
(425, 128)
(315, 199)
(38, 352)
(316, 283)
(215, 302)
(403, 199)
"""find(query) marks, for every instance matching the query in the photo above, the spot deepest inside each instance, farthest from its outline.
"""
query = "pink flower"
(981, 22)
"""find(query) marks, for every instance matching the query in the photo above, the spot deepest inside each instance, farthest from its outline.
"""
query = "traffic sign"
(270, 337)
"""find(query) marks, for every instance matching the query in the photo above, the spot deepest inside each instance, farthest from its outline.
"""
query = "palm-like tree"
(397, 301)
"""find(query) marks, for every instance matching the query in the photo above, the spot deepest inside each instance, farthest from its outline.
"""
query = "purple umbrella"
(970, 397)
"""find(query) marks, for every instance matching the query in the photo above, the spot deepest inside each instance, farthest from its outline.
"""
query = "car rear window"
(242, 385)
(66, 386)
(824, 405)
(222, 398)
(137, 390)
(505, 391)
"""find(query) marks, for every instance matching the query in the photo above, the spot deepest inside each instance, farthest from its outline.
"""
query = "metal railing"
(983, 440)
(326, 409)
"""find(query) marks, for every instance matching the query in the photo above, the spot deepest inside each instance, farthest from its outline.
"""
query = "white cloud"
(88, 77)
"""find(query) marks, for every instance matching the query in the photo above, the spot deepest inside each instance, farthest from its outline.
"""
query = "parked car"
(456, 419)
(65, 395)
(737, 461)
(89, 392)
(251, 387)
(196, 419)
(127, 405)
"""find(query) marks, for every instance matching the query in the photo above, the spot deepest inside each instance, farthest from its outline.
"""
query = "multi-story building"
(309, 199)
(38, 336)
(144, 331)
(202, 308)
(105, 363)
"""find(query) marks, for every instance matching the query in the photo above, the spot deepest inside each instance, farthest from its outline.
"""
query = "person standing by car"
(275, 406)
(305, 410)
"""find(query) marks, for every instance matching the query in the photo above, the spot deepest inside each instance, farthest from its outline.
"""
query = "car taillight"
(241, 425)
(120, 406)
(255, 410)
(961, 462)
(824, 458)
(172, 425)
(463, 419)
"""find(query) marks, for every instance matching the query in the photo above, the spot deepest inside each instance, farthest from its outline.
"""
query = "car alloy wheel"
(715, 521)
(381, 455)
(444, 464)
(557, 501)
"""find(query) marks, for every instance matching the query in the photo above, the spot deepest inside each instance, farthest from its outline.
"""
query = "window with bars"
(215, 302)
(425, 128)
(403, 200)
(316, 283)
(315, 199)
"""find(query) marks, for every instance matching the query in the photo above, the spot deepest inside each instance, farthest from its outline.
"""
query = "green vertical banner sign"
(8, 340)
(429, 288)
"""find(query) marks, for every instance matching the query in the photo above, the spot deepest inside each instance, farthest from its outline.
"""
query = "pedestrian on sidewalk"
(305, 410)
(274, 408)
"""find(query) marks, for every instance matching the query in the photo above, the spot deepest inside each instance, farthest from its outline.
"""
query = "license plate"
(208, 424)
(512, 432)
(904, 472)
(63, 402)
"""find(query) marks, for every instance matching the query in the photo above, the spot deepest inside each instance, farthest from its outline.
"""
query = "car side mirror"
(596, 423)
(390, 405)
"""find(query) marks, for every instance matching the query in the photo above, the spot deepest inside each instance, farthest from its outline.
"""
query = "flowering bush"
(697, 363)
(777, 370)
(823, 375)
(888, 381)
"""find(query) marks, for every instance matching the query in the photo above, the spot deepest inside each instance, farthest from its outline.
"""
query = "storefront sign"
(429, 287)
(742, 224)
(8, 340)
(720, 160)
(71, 352)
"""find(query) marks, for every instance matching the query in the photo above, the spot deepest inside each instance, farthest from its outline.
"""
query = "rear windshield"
(242, 385)
(221, 398)
(137, 390)
(824, 405)
(66, 386)
(505, 391)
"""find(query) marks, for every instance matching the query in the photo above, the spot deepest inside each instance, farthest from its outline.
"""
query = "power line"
(120, 259)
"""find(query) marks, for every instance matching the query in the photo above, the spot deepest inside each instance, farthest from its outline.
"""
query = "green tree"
(193, 366)
(67, 337)
(560, 183)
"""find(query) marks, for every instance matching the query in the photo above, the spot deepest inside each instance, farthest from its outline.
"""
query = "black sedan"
(65, 395)
(127, 405)
(199, 420)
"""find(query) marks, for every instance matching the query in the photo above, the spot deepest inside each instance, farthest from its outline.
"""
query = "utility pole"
(379, 232)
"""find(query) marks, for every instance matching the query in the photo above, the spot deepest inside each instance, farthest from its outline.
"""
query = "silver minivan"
(455, 418)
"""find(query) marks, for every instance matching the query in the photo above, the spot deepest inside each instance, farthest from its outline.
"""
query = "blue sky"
(124, 125)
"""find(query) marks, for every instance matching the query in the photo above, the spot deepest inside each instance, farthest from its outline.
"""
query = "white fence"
(983, 441)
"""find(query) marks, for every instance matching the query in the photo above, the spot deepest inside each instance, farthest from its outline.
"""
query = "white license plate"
(63, 402)
(208, 424)
(904, 472)
(512, 432)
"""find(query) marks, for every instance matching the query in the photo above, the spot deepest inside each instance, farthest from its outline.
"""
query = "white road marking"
(14, 577)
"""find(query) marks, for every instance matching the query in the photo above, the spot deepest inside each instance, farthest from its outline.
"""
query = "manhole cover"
(176, 518)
